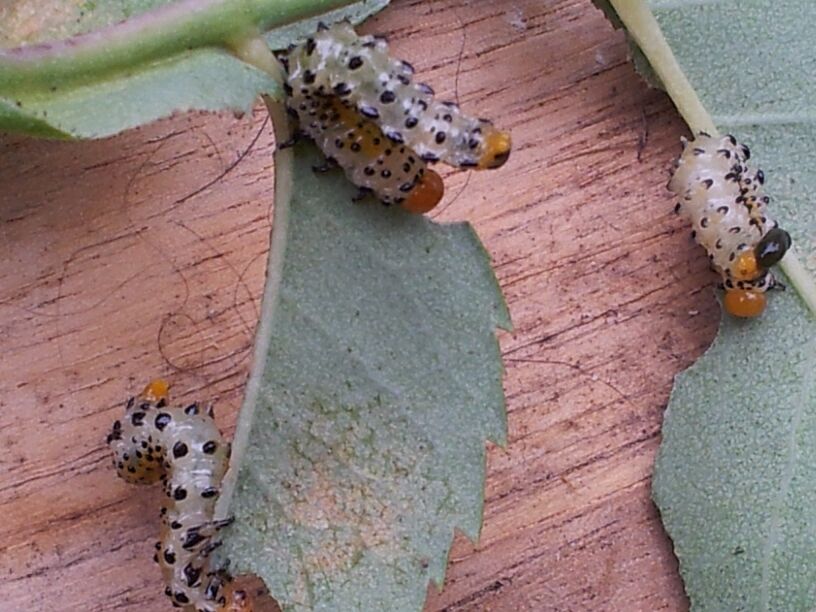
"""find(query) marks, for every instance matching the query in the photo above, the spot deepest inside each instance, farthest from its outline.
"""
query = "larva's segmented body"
(182, 448)
(392, 171)
(358, 69)
(721, 195)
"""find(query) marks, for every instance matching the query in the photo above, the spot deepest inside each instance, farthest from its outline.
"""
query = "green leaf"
(170, 59)
(379, 386)
(735, 478)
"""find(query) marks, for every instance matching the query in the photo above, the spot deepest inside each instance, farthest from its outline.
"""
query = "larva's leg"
(328, 164)
(286, 144)
(362, 193)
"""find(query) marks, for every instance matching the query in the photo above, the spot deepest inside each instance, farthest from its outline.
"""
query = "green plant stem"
(158, 34)
(645, 31)
(255, 51)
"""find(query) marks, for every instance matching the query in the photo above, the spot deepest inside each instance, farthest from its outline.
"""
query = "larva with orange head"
(721, 196)
(182, 448)
(359, 71)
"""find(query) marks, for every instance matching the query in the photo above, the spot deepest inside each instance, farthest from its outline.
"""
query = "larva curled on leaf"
(182, 448)
(364, 110)
(722, 197)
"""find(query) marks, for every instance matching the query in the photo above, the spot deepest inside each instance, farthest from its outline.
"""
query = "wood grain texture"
(144, 255)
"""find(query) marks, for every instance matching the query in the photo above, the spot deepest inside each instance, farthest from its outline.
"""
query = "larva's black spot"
(355, 146)
(169, 557)
(355, 62)
(162, 420)
(176, 525)
(210, 447)
(209, 493)
(395, 136)
(191, 410)
(310, 46)
(342, 90)
(411, 122)
(386, 174)
(179, 449)
(425, 88)
(369, 171)
(179, 493)
(137, 419)
(723, 210)
(704, 222)
(181, 597)
(309, 77)
(440, 137)
(191, 574)
(369, 111)
(213, 586)
(192, 539)
(707, 183)
(387, 97)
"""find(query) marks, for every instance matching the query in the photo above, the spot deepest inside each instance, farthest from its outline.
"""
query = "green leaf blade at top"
(174, 58)
(735, 478)
(381, 383)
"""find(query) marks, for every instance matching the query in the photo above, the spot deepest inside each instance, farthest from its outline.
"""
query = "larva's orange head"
(425, 194)
(155, 390)
(744, 304)
(497, 147)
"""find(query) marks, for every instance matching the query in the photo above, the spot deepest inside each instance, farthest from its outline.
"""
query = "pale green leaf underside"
(736, 474)
(209, 80)
(381, 385)
(122, 81)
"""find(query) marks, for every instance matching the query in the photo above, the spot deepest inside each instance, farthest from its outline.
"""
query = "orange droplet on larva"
(156, 390)
(746, 267)
(744, 304)
(426, 194)
(496, 149)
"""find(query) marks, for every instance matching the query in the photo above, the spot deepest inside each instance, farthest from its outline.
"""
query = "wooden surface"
(144, 255)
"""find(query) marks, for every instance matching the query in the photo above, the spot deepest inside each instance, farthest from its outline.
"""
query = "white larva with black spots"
(392, 171)
(721, 196)
(182, 448)
(359, 71)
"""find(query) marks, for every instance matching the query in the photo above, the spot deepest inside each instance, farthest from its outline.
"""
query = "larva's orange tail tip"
(496, 150)
(744, 304)
(156, 390)
(426, 194)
